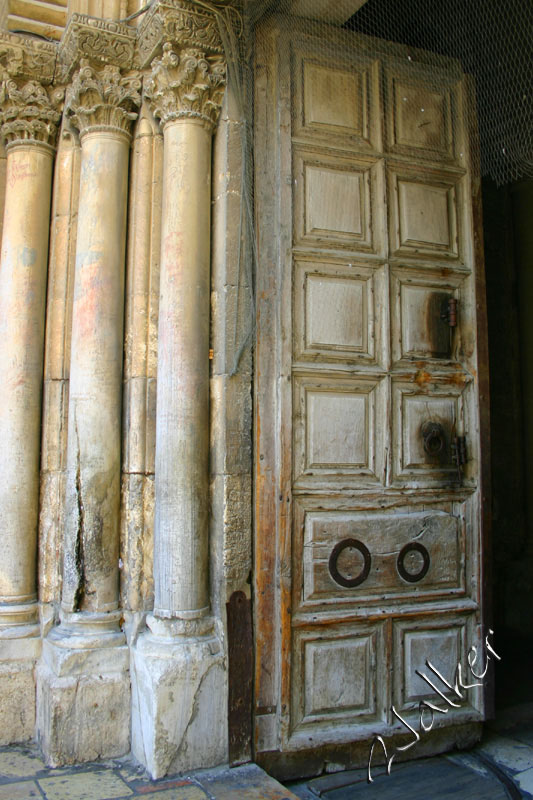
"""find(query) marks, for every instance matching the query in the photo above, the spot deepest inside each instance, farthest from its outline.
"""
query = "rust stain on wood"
(422, 378)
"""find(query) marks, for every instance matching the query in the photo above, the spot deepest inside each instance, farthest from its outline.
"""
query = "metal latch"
(459, 457)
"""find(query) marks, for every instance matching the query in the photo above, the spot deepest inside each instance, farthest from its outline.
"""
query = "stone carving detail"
(29, 113)
(98, 40)
(182, 22)
(190, 84)
(23, 57)
(103, 98)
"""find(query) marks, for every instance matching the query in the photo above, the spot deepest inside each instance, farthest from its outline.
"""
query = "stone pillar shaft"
(83, 674)
(22, 307)
(182, 433)
(90, 580)
(178, 679)
(29, 113)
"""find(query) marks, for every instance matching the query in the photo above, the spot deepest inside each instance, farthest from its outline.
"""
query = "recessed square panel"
(336, 313)
(441, 648)
(427, 414)
(420, 304)
(421, 117)
(336, 202)
(338, 676)
(444, 642)
(333, 97)
(424, 217)
(335, 428)
(339, 312)
(337, 99)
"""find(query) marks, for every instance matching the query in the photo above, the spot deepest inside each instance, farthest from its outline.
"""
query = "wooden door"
(368, 539)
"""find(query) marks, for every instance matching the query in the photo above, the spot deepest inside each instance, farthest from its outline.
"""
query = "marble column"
(28, 116)
(178, 676)
(84, 673)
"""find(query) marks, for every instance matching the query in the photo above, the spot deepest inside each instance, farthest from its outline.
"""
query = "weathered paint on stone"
(179, 704)
(17, 709)
(140, 366)
(22, 308)
(90, 575)
(82, 717)
(182, 426)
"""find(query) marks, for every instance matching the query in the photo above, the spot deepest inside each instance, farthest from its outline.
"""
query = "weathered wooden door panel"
(368, 536)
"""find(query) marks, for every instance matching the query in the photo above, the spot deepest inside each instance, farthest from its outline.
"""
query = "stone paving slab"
(525, 780)
(507, 752)
(436, 778)
(24, 776)
(25, 790)
(245, 783)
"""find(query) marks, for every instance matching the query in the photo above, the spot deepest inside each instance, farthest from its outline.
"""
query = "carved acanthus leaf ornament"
(29, 112)
(189, 85)
(103, 99)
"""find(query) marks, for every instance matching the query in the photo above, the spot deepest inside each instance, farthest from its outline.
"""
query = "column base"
(83, 691)
(179, 714)
(20, 648)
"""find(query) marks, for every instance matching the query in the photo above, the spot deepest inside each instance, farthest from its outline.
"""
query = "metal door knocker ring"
(434, 438)
(409, 548)
(335, 553)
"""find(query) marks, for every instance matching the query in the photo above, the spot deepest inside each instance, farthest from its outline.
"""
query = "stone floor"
(23, 776)
(500, 767)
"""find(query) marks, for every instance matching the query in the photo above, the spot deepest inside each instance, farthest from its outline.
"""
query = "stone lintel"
(179, 711)
(100, 41)
(184, 23)
(27, 58)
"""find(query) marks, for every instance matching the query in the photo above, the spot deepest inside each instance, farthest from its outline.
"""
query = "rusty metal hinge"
(449, 312)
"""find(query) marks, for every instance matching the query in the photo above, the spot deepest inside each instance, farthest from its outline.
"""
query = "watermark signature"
(426, 706)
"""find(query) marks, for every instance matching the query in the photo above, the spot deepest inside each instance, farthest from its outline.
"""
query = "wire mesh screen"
(436, 41)
(493, 42)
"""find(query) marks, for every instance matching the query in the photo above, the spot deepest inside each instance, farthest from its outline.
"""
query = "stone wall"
(125, 479)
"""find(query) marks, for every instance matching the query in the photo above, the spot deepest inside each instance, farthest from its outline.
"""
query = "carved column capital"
(103, 99)
(186, 85)
(29, 112)
(29, 109)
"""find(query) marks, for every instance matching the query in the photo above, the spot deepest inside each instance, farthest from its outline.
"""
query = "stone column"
(84, 681)
(28, 118)
(178, 679)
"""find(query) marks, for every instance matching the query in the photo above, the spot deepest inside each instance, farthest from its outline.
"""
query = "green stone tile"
(26, 790)
(15, 764)
(103, 785)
